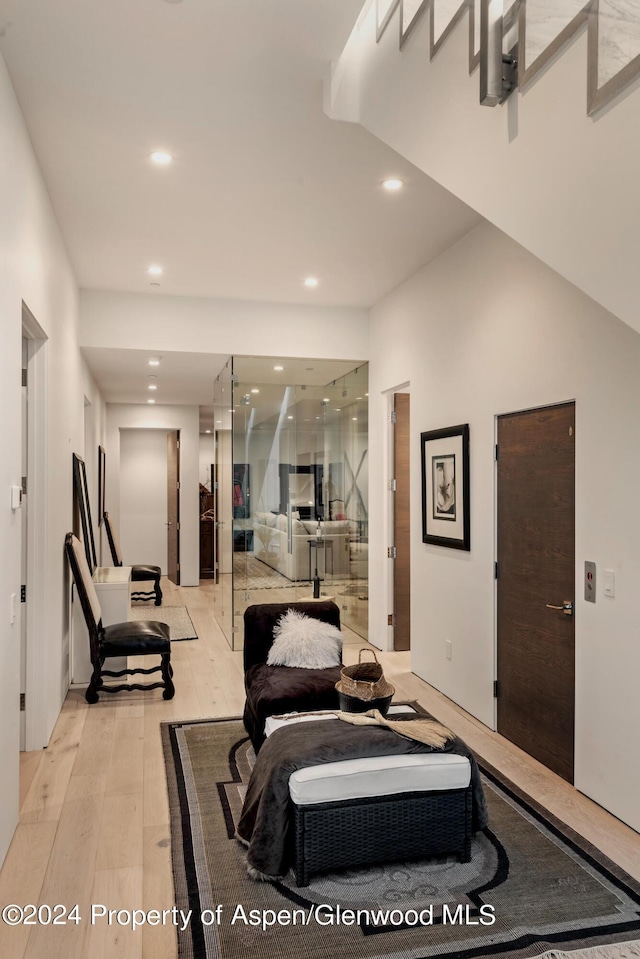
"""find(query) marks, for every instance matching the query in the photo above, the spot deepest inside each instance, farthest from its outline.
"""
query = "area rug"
(251, 573)
(533, 887)
(176, 617)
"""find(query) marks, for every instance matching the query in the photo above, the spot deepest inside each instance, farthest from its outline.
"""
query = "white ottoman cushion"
(379, 776)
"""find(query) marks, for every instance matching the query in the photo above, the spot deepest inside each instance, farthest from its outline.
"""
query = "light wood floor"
(94, 825)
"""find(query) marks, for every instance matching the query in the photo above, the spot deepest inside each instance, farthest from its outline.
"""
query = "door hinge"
(178, 485)
(23, 594)
(24, 377)
(495, 570)
(393, 486)
(392, 552)
(496, 689)
(391, 619)
(177, 444)
(24, 485)
(178, 566)
(495, 454)
(394, 416)
(23, 702)
(178, 527)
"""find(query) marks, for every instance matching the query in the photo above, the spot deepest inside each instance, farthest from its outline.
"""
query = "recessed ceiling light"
(218, 421)
(154, 361)
(326, 399)
(358, 397)
(311, 281)
(289, 417)
(337, 409)
(152, 386)
(207, 431)
(154, 270)
(150, 401)
(161, 158)
(255, 391)
(392, 184)
(278, 369)
(355, 419)
(366, 394)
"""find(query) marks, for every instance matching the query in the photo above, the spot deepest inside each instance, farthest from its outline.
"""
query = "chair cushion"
(141, 573)
(135, 638)
(280, 689)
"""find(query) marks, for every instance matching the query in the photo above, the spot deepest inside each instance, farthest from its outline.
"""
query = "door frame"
(37, 539)
(497, 416)
(388, 501)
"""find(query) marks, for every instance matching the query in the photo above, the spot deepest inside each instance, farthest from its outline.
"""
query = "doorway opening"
(33, 629)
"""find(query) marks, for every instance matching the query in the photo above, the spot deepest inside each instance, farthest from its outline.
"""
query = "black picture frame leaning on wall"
(82, 525)
(102, 472)
(445, 487)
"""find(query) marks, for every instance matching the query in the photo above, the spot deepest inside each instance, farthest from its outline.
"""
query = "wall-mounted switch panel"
(590, 581)
(609, 579)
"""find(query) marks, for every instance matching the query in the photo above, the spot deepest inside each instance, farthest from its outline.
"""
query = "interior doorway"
(33, 618)
(173, 506)
(536, 583)
(401, 522)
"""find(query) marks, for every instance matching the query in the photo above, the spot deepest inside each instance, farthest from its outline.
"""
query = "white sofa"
(271, 546)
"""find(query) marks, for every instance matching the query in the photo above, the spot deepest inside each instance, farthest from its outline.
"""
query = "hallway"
(94, 814)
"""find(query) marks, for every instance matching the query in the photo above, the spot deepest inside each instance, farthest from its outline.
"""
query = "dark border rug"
(548, 889)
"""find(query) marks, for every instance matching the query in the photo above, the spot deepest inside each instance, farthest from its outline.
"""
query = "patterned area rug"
(549, 891)
(176, 617)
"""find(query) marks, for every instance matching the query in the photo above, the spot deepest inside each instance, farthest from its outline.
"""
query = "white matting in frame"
(445, 487)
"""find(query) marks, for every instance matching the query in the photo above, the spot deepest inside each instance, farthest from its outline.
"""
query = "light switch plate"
(609, 579)
(590, 581)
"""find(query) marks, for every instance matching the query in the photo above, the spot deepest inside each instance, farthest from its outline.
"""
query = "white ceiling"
(265, 189)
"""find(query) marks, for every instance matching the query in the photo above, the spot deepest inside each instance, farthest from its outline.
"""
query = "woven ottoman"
(382, 809)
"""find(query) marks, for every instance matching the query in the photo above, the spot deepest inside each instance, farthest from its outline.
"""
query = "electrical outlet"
(449, 649)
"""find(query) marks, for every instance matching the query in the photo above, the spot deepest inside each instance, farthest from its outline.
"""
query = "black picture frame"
(82, 525)
(446, 518)
(102, 472)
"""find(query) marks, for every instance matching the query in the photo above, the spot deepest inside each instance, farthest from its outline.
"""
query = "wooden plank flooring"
(94, 820)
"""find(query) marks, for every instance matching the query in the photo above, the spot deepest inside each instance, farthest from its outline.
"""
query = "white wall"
(559, 182)
(123, 416)
(143, 497)
(135, 320)
(483, 330)
(206, 458)
(34, 268)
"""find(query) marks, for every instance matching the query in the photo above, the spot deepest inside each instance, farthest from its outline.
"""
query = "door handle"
(566, 608)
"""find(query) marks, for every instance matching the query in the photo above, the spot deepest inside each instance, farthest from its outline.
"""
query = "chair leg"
(167, 673)
(158, 591)
(91, 694)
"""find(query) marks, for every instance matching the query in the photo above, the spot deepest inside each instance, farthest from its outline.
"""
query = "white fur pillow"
(306, 642)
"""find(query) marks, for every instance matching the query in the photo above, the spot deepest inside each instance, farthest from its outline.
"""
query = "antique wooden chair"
(139, 574)
(140, 638)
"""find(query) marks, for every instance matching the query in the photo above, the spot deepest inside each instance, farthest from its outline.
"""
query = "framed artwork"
(102, 466)
(82, 525)
(445, 487)
(241, 491)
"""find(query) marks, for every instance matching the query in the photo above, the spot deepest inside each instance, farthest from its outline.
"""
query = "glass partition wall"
(296, 458)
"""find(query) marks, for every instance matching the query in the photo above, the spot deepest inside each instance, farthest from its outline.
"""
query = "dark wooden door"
(536, 571)
(401, 512)
(173, 506)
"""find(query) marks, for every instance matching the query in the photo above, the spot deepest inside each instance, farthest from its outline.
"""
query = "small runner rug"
(176, 617)
(550, 891)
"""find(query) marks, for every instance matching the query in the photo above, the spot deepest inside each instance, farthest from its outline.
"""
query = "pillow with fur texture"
(303, 641)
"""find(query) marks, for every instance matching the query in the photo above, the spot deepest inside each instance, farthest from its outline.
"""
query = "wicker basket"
(364, 681)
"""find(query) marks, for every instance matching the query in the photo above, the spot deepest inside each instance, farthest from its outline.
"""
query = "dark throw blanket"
(265, 820)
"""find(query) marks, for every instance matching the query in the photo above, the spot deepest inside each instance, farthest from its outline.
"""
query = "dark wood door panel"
(401, 521)
(536, 557)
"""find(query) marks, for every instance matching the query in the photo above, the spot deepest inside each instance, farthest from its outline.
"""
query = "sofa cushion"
(281, 689)
(305, 642)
